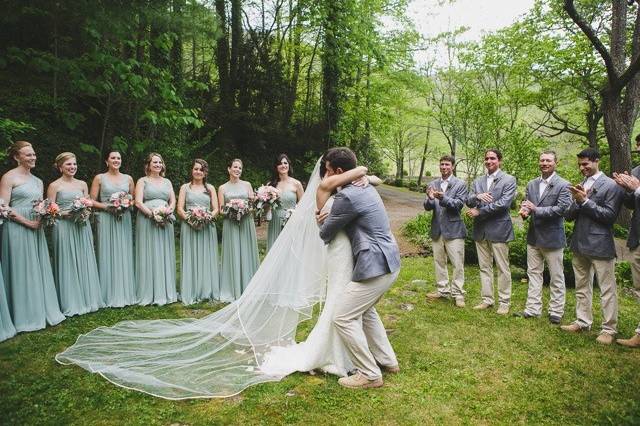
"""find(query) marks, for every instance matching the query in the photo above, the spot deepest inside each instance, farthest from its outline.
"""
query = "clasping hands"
(579, 193)
(627, 181)
(485, 197)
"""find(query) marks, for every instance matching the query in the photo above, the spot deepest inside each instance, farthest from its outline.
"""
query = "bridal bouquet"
(80, 209)
(162, 216)
(267, 198)
(285, 216)
(236, 209)
(198, 217)
(47, 211)
(4, 211)
(119, 203)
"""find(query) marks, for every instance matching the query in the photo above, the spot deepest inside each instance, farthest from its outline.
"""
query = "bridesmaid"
(75, 268)
(290, 193)
(155, 245)
(7, 329)
(239, 246)
(115, 236)
(28, 279)
(199, 278)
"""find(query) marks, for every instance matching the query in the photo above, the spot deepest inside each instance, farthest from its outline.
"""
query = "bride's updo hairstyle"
(340, 157)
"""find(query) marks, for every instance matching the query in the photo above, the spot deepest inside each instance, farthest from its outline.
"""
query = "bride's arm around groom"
(360, 212)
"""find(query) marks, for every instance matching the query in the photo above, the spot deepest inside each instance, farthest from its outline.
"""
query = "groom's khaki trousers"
(358, 324)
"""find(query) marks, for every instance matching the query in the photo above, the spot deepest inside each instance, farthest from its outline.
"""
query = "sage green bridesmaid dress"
(7, 329)
(288, 200)
(239, 249)
(115, 249)
(28, 278)
(155, 250)
(74, 262)
(199, 273)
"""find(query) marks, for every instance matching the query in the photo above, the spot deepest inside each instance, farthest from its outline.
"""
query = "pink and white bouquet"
(162, 216)
(267, 198)
(198, 217)
(80, 209)
(119, 203)
(236, 209)
(47, 211)
(5, 211)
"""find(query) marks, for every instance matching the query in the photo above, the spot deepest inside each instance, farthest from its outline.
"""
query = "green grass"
(458, 366)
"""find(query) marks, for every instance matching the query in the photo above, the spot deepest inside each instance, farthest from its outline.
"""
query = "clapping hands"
(627, 181)
(579, 193)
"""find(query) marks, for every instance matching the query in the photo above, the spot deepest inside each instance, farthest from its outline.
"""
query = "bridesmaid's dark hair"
(275, 176)
(235, 160)
(204, 166)
(147, 163)
(111, 151)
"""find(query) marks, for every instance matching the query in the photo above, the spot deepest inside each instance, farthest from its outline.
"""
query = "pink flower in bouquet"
(236, 209)
(267, 198)
(119, 202)
(199, 217)
(4, 211)
(48, 211)
(162, 216)
(81, 209)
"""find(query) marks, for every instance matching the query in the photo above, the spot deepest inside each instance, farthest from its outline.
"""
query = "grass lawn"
(458, 366)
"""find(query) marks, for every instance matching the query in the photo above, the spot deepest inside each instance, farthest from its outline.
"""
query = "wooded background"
(253, 78)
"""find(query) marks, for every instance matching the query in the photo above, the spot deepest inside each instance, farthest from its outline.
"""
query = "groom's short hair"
(340, 157)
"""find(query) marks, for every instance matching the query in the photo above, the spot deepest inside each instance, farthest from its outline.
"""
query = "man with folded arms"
(446, 197)
(546, 200)
(489, 200)
(595, 207)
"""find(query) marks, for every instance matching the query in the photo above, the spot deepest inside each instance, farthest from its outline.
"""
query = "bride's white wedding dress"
(225, 352)
(323, 349)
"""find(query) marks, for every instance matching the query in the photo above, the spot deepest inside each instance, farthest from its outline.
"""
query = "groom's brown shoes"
(359, 381)
(391, 369)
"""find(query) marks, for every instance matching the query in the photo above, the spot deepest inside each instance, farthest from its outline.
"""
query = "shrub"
(418, 229)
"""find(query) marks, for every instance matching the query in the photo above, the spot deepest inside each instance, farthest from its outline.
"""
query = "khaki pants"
(488, 252)
(453, 250)
(635, 267)
(583, 268)
(360, 328)
(536, 258)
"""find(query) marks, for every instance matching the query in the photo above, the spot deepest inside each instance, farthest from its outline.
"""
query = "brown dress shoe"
(460, 302)
(632, 342)
(571, 328)
(482, 306)
(605, 339)
(502, 310)
(435, 295)
(391, 369)
(359, 381)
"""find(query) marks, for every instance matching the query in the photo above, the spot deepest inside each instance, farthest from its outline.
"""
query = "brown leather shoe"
(571, 328)
(435, 295)
(482, 306)
(605, 339)
(359, 381)
(632, 342)
(460, 302)
(391, 369)
(503, 310)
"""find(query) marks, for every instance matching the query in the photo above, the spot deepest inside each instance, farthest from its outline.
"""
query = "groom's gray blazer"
(360, 212)
(546, 227)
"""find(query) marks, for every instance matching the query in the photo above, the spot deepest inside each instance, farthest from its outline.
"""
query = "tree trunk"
(331, 71)
(236, 43)
(176, 47)
(222, 60)
(423, 160)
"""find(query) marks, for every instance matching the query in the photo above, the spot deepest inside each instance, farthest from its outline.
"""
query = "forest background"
(221, 79)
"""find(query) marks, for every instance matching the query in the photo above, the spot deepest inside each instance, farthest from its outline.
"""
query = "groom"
(360, 212)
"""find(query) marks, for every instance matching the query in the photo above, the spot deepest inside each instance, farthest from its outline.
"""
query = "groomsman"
(631, 183)
(595, 207)
(489, 200)
(446, 197)
(546, 200)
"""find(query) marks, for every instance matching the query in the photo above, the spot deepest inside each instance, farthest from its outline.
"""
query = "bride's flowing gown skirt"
(218, 355)
(323, 349)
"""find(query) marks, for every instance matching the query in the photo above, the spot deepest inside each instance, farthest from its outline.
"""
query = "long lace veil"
(218, 355)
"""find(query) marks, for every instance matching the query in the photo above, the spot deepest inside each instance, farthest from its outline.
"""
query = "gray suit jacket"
(446, 220)
(494, 223)
(361, 213)
(632, 202)
(546, 224)
(593, 231)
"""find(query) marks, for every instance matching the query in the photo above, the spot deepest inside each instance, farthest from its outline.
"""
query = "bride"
(252, 339)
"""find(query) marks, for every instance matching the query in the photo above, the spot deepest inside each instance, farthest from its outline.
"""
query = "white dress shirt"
(544, 183)
(491, 178)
